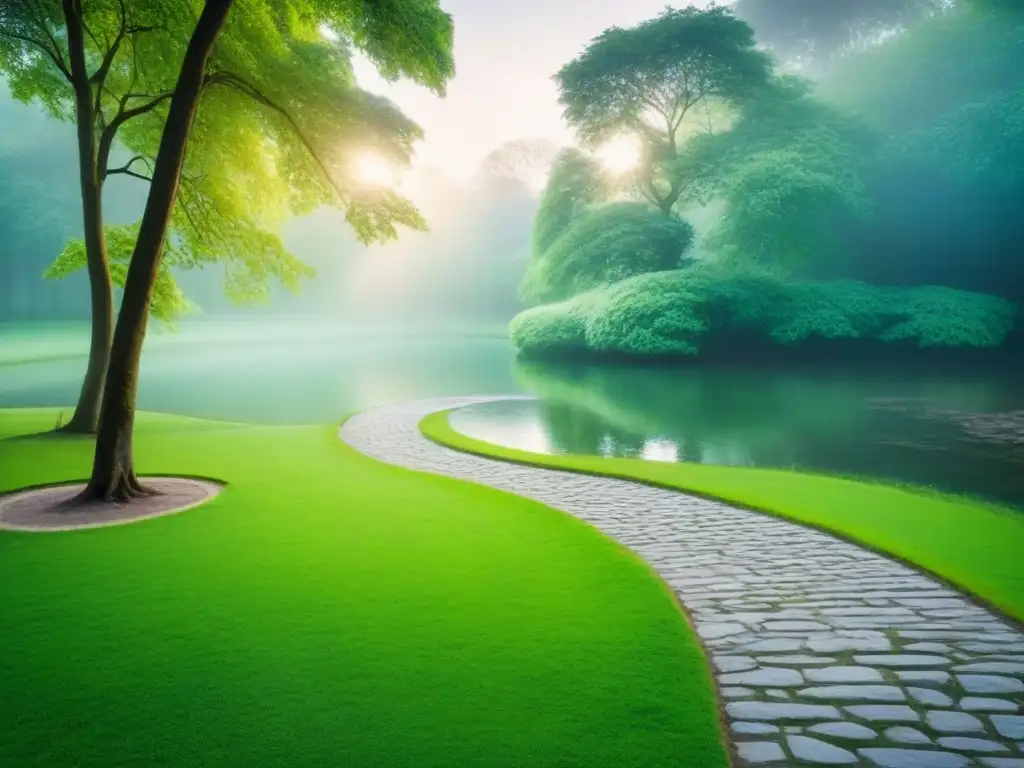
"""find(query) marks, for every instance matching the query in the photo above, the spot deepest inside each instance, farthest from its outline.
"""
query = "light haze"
(506, 52)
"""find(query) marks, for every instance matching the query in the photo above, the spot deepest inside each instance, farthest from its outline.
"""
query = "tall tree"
(274, 60)
(247, 167)
(51, 54)
(652, 79)
(280, 124)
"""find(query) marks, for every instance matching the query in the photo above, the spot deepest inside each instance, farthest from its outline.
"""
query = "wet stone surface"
(833, 655)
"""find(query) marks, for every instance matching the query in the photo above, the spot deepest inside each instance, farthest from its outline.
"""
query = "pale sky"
(506, 52)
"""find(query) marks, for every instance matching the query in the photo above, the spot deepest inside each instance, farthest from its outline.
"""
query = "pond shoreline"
(956, 427)
(742, 350)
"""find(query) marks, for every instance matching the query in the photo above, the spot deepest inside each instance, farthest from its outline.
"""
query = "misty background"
(481, 167)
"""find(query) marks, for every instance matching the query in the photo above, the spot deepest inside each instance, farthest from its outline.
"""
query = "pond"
(961, 432)
(957, 432)
(282, 373)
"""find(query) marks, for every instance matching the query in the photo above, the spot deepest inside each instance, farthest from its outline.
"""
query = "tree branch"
(123, 116)
(679, 113)
(234, 81)
(99, 77)
(126, 169)
(89, 32)
(57, 56)
(127, 114)
(108, 58)
(128, 173)
(54, 54)
(205, 211)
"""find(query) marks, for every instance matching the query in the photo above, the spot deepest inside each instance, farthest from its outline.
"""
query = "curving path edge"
(824, 653)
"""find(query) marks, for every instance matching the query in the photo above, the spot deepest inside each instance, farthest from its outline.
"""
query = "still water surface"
(958, 432)
(955, 431)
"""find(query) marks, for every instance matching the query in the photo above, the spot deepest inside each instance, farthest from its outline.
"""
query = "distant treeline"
(863, 186)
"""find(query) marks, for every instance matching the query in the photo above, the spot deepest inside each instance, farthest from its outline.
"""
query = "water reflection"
(961, 433)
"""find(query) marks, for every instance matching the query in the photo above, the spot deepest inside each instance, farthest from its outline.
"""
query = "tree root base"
(118, 492)
(71, 428)
(70, 507)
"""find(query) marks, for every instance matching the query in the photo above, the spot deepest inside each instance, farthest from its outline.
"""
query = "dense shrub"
(945, 317)
(671, 313)
(551, 327)
(651, 314)
(604, 245)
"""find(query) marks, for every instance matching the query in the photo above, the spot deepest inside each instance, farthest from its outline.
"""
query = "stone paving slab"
(825, 653)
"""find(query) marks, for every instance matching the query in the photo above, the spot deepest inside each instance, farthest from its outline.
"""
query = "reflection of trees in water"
(757, 417)
(577, 430)
(724, 417)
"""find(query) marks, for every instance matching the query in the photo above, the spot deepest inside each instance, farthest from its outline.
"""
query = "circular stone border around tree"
(46, 510)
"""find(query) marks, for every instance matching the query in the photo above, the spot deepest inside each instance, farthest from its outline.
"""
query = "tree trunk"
(113, 472)
(87, 411)
(86, 415)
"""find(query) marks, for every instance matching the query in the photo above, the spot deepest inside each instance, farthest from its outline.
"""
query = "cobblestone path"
(825, 653)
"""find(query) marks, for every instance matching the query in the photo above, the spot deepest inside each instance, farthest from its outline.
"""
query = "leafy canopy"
(584, 237)
(649, 79)
(646, 78)
(280, 123)
(789, 172)
(168, 300)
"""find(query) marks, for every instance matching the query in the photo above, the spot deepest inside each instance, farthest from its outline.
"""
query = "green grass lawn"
(971, 544)
(329, 610)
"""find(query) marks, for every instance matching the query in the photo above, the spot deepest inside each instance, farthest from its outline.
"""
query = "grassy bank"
(974, 545)
(327, 609)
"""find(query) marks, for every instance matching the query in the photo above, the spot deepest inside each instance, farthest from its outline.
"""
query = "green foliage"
(789, 170)
(280, 123)
(782, 205)
(671, 312)
(651, 79)
(947, 97)
(574, 183)
(606, 244)
(844, 309)
(645, 78)
(403, 38)
(980, 141)
(168, 301)
(943, 317)
(651, 315)
(996, 5)
(552, 327)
